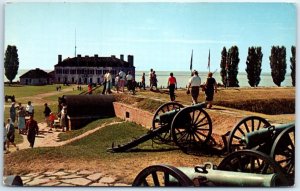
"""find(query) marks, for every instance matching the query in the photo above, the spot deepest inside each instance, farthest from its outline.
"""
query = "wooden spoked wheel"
(161, 175)
(246, 125)
(252, 161)
(191, 128)
(283, 152)
(166, 136)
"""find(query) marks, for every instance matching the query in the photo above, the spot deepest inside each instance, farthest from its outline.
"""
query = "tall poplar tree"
(232, 62)
(293, 65)
(11, 63)
(223, 72)
(254, 62)
(278, 64)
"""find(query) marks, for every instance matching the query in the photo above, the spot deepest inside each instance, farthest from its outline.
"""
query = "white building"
(84, 70)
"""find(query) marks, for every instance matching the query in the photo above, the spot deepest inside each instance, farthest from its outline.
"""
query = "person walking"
(117, 82)
(154, 81)
(21, 113)
(29, 109)
(10, 136)
(90, 89)
(130, 81)
(32, 130)
(122, 76)
(104, 84)
(210, 89)
(108, 83)
(194, 84)
(151, 78)
(143, 81)
(172, 85)
(12, 112)
(47, 112)
(63, 118)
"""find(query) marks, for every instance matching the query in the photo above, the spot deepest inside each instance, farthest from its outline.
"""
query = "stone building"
(87, 69)
(35, 77)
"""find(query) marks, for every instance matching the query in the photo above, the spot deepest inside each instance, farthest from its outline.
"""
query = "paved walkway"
(48, 138)
(69, 178)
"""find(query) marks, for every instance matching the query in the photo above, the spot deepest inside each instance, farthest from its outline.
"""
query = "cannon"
(189, 128)
(247, 168)
(82, 109)
(276, 141)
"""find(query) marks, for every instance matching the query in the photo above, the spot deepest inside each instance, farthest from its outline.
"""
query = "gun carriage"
(188, 127)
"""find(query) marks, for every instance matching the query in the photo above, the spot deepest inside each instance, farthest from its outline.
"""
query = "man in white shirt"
(29, 109)
(194, 84)
(108, 82)
(122, 76)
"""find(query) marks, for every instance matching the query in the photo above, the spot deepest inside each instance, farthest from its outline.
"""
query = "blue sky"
(159, 35)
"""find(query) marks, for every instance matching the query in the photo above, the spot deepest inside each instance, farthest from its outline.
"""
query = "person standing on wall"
(211, 88)
(108, 82)
(151, 78)
(194, 84)
(143, 81)
(122, 76)
(172, 85)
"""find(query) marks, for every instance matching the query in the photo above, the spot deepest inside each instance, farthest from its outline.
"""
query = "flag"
(208, 65)
(191, 65)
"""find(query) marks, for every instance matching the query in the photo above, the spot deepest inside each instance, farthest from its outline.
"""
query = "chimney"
(113, 56)
(96, 55)
(79, 55)
(59, 58)
(130, 60)
(122, 57)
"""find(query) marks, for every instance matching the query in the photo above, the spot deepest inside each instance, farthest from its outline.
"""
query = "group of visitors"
(29, 126)
(194, 84)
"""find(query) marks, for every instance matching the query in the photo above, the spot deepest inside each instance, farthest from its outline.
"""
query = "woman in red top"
(172, 85)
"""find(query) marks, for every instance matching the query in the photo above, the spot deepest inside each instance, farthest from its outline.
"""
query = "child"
(52, 117)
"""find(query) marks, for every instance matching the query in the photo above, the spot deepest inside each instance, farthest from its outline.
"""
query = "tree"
(278, 64)
(232, 62)
(11, 62)
(253, 69)
(223, 71)
(293, 65)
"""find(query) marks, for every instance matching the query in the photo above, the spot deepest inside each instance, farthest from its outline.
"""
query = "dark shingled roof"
(37, 73)
(93, 62)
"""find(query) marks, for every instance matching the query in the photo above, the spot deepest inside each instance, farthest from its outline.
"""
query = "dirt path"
(48, 138)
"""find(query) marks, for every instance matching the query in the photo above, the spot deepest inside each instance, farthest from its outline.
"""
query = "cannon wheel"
(191, 128)
(252, 161)
(283, 151)
(159, 175)
(246, 125)
(166, 136)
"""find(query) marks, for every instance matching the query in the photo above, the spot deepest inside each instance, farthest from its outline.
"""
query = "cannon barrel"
(228, 178)
(166, 117)
(263, 135)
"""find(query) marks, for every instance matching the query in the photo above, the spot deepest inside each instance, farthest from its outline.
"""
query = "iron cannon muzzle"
(208, 175)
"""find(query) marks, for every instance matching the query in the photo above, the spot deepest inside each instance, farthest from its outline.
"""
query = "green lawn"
(26, 91)
(92, 125)
(93, 146)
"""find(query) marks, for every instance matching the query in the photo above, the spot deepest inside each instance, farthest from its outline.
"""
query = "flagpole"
(208, 61)
(191, 64)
